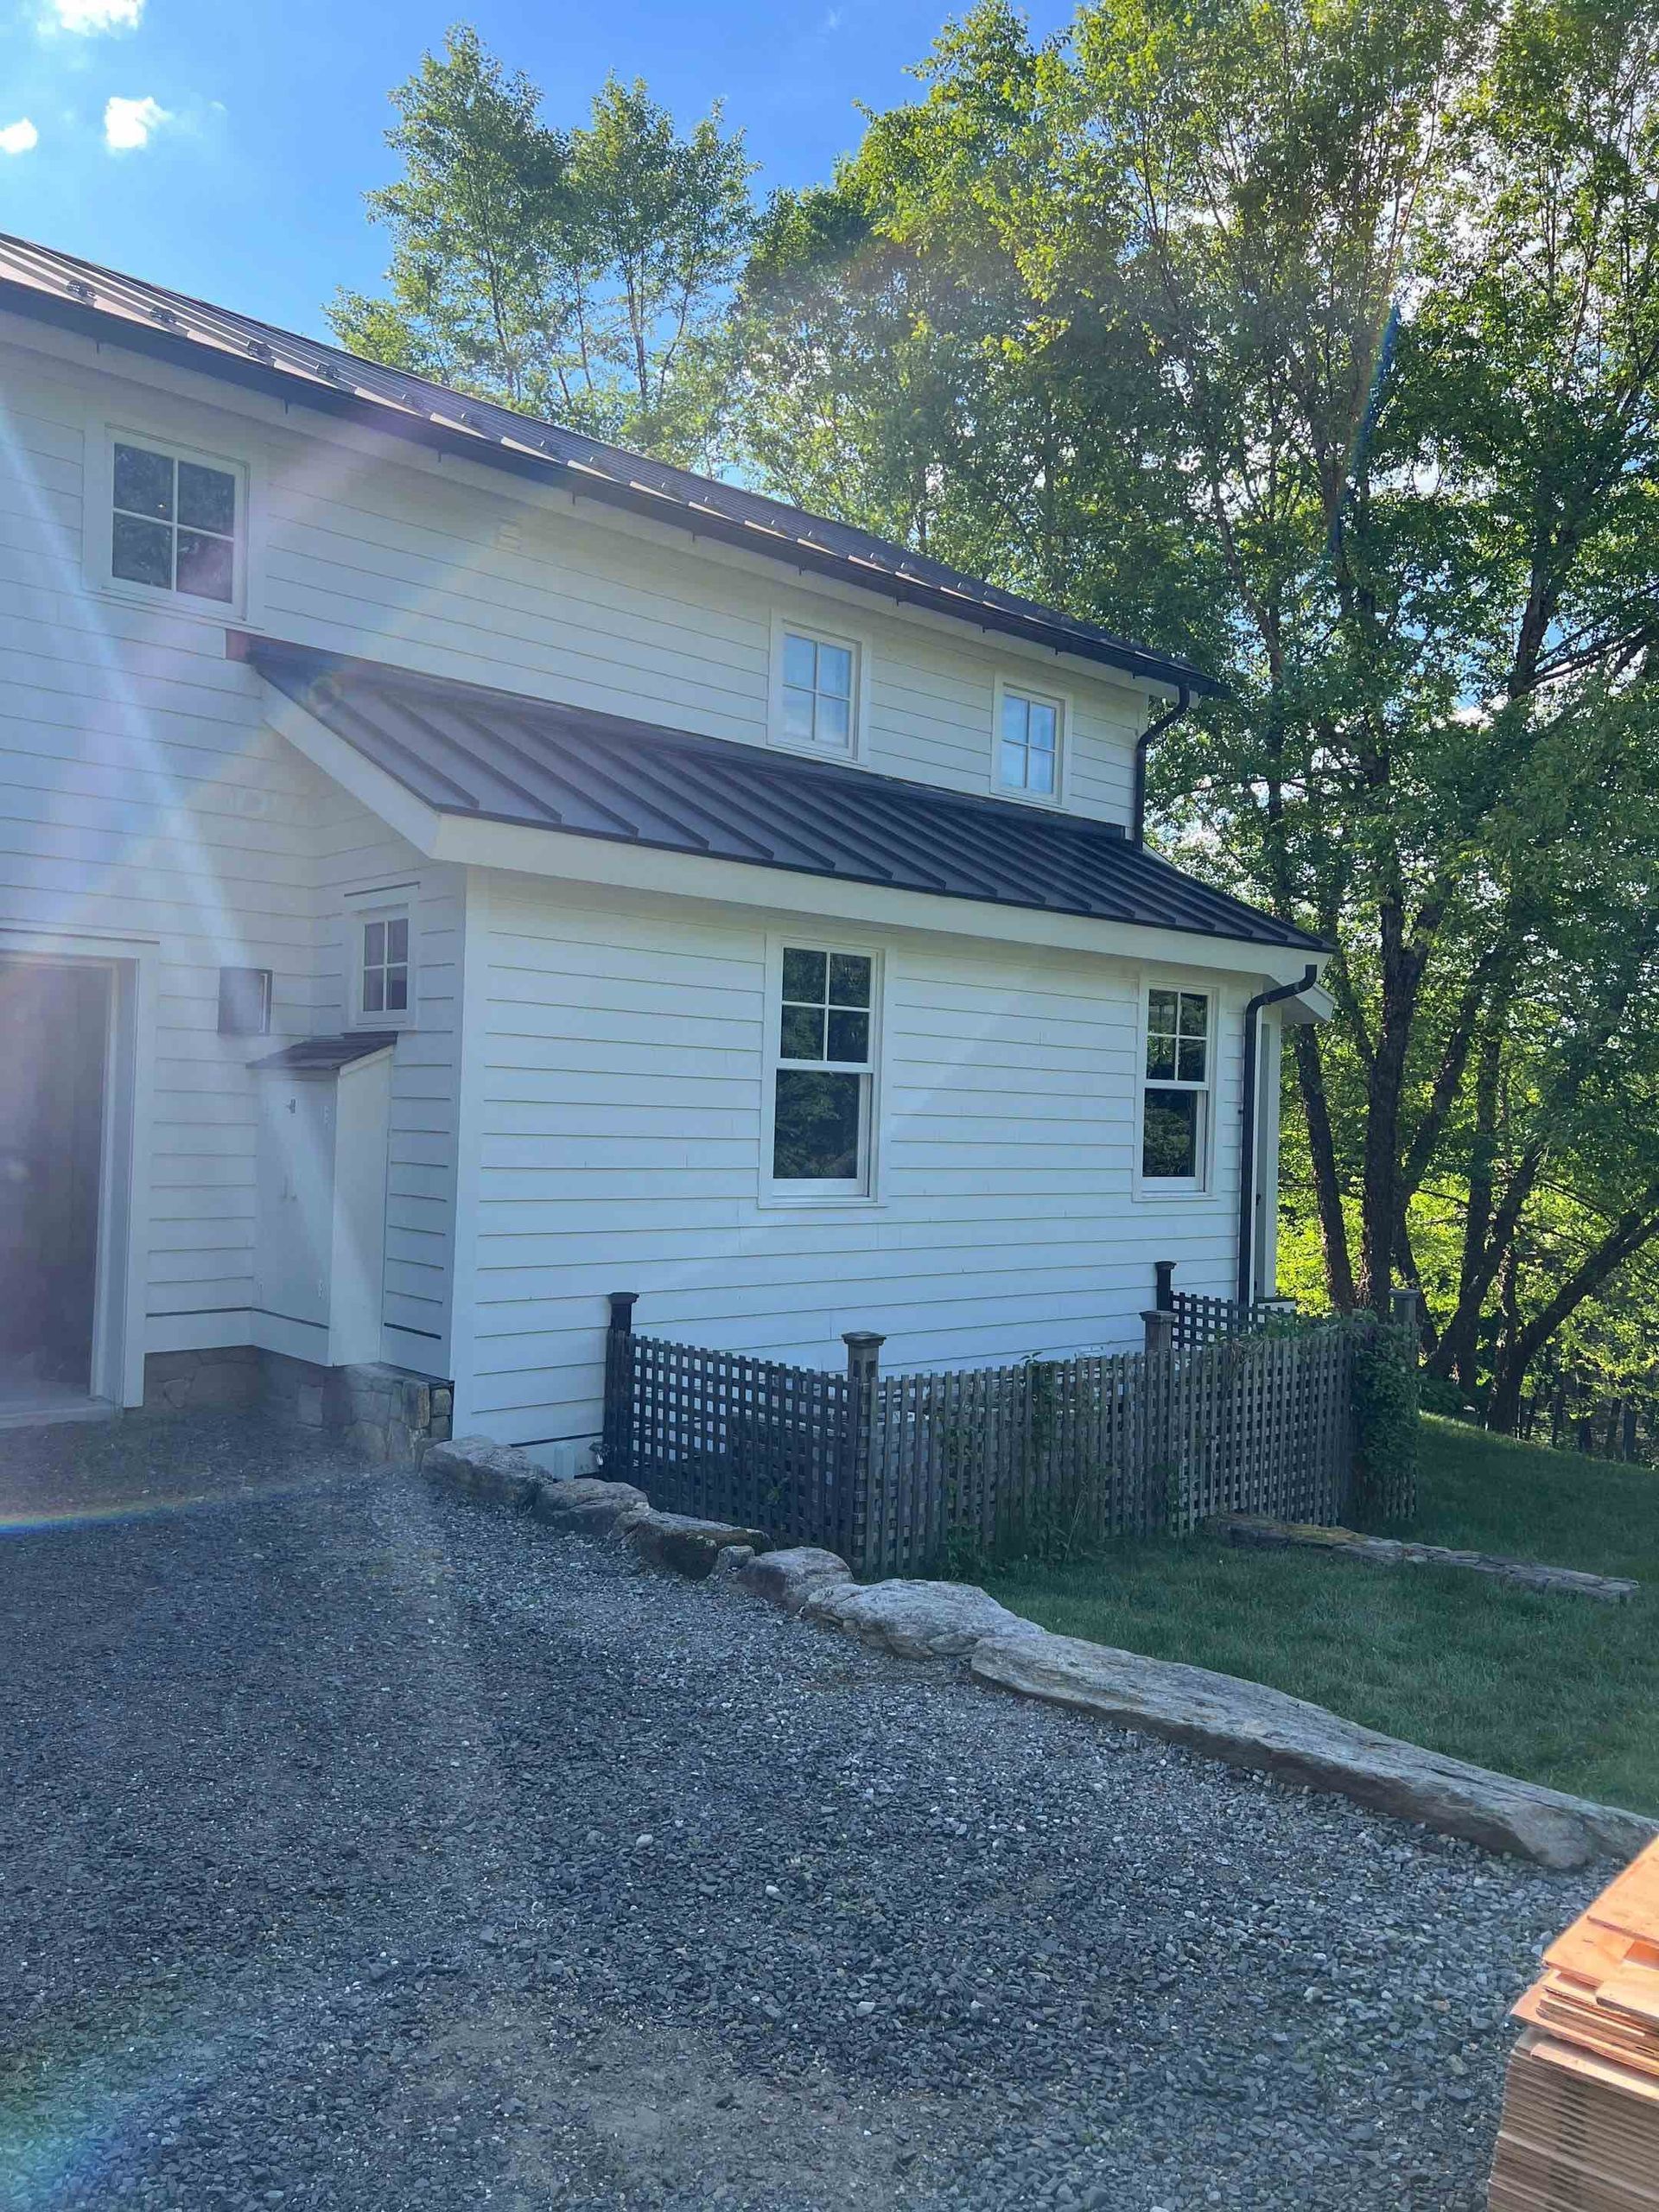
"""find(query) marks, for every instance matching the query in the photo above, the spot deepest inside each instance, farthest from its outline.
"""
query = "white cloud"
(128, 124)
(19, 137)
(87, 18)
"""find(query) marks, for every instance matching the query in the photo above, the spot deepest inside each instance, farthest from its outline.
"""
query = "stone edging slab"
(1257, 1533)
(1242, 1722)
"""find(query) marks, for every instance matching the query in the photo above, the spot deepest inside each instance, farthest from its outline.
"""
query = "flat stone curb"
(1248, 1725)
(916, 1620)
(1241, 1723)
(1255, 1533)
(685, 1544)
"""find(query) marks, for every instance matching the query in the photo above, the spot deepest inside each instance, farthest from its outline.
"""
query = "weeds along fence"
(906, 1473)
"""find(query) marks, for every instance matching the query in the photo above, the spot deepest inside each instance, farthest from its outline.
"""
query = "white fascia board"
(412, 818)
(520, 850)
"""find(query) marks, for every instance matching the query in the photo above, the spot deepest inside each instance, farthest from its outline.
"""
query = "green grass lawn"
(1561, 1689)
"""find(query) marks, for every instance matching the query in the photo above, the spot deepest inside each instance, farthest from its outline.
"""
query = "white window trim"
(1061, 703)
(99, 508)
(361, 909)
(1177, 1190)
(797, 1197)
(785, 625)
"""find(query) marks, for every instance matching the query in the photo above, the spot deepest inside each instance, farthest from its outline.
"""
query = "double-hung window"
(1175, 1097)
(383, 974)
(1028, 745)
(818, 695)
(823, 1074)
(175, 523)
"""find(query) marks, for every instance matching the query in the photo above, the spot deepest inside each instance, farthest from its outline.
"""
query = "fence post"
(617, 1436)
(859, 1514)
(1406, 1310)
(1160, 1324)
(1163, 1276)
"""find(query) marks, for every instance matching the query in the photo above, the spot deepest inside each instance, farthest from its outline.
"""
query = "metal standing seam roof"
(496, 756)
(326, 1055)
(59, 287)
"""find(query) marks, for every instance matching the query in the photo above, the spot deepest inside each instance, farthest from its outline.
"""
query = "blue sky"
(223, 146)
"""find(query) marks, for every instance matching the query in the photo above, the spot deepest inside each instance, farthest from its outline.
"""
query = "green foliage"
(1321, 340)
(580, 276)
(1386, 1425)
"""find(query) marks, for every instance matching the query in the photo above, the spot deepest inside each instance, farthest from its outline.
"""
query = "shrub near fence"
(901, 1473)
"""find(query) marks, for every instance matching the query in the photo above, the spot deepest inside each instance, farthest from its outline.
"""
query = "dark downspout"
(1143, 745)
(1247, 1178)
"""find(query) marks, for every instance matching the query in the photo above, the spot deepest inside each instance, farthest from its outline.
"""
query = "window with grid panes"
(386, 965)
(1174, 1104)
(174, 523)
(817, 701)
(823, 1079)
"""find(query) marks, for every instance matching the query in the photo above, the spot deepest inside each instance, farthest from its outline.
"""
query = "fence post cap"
(622, 1303)
(1163, 1274)
(862, 1339)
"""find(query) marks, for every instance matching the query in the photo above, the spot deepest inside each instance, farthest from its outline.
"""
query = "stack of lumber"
(1581, 2104)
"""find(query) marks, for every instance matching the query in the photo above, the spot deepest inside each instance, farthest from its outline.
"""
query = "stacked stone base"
(388, 1414)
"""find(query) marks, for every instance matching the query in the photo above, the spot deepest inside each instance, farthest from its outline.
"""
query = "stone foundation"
(388, 1414)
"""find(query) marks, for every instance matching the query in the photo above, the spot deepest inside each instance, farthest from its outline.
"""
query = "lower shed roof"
(497, 756)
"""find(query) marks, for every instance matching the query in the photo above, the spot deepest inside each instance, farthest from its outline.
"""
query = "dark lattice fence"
(897, 1472)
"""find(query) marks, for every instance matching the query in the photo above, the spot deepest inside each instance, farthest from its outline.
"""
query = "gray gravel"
(359, 1849)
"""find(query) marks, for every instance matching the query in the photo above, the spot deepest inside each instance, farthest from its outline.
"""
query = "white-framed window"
(1178, 1050)
(385, 971)
(819, 1126)
(1030, 735)
(174, 525)
(817, 686)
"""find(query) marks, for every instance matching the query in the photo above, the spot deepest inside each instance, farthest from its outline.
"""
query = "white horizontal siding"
(619, 1106)
(360, 552)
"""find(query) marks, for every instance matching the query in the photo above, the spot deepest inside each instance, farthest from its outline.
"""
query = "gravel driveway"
(359, 1849)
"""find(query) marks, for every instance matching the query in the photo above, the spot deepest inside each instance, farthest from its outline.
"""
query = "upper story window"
(175, 523)
(384, 972)
(1175, 1098)
(823, 1074)
(1028, 744)
(817, 698)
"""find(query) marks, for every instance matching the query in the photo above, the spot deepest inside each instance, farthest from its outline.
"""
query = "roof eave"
(271, 379)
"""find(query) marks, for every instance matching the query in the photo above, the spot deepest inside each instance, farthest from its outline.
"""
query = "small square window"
(1028, 745)
(816, 692)
(383, 987)
(174, 523)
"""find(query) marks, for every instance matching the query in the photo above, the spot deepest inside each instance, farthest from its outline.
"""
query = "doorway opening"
(54, 1041)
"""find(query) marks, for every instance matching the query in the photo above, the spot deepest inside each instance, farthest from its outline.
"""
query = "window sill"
(804, 750)
(851, 1202)
(223, 613)
(1188, 1195)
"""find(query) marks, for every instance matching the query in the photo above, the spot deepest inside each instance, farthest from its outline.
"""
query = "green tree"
(1318, 338)
(583, 276)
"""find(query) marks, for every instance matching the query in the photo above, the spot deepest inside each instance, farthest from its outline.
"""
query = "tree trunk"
(1322, 1151)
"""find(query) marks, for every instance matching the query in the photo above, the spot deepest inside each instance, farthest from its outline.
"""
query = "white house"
(628, 882)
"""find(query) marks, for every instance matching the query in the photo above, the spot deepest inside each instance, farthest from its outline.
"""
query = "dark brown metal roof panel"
(60, 288)
(326, 1055)
(495, 755)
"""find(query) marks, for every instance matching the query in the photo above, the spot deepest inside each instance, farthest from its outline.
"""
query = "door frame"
(118, 1316)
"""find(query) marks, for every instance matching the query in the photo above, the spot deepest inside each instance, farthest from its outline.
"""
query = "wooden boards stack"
(1580, 2130)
